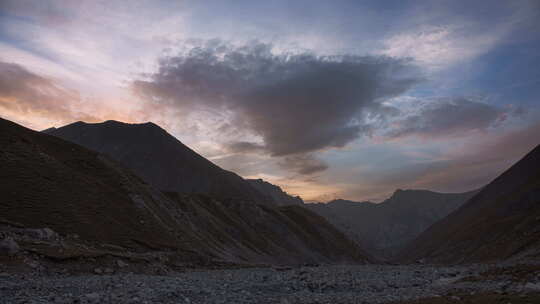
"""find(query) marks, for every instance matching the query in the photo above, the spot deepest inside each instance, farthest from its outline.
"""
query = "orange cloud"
(40, 102)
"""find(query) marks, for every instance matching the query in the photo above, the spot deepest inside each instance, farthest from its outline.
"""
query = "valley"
(325, 284)
(85, 219)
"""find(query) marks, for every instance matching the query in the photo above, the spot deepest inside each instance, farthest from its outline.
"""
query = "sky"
(327, 99)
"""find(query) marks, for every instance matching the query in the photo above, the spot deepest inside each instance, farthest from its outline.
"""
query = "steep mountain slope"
(275, 193)
(501, 221)
(385, 227)
(49, 182)
(243, 231)
(158, 158)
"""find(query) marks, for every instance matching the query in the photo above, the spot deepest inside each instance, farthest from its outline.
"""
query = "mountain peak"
(275, 193)
(110, 122)
(159, 158)
(498, 222)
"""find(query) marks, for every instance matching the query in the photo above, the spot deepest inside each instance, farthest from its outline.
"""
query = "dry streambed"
(329, 284)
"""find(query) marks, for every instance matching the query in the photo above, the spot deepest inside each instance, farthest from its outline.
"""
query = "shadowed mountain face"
(501, 221)
(386, 227)
(49, 182)
(243, 231)
(275, 193)
(158, 158)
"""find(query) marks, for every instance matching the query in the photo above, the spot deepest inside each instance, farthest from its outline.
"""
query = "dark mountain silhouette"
(384, 228)
(49, 182)
(243, 231)
(275, 193)
(158, 158)
(501, 221)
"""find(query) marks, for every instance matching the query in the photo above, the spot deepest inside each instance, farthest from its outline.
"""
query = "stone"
(92, 296)
(41, 234)
(532, 287)
(33, 264)
(9, 247)
(121, 263)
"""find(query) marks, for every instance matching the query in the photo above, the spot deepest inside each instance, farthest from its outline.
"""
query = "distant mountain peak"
(344, 201)
(111, 122)
(385, 227)
(275, 193)
(500, 221)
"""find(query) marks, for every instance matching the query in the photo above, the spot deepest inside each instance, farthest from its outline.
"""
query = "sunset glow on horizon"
(348, 99)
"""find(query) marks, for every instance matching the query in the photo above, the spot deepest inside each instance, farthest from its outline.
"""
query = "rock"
(9, 247)
(33, 264)
(121, 263)
(48, 234)
(94, 296)
(531, 287)
(108, 270)
(41, 234)
(282, 268)
(98, 271)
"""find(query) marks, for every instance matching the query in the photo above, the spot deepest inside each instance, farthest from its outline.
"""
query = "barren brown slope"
(49, 182)
(159, 158)
(501, 221)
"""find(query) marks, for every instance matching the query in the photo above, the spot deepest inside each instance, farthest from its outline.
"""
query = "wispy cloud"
(23, 93)
(315, 96)
(444, 118)
(437, 47)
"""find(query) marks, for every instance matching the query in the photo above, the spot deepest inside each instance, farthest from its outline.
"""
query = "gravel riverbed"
(325, 284)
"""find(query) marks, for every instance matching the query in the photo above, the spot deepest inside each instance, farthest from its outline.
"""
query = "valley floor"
(413, 284)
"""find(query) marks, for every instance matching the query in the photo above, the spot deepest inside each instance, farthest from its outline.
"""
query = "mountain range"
(501, 221)
(384, 228)
(51, 183)
(159, 158)
(135, 188)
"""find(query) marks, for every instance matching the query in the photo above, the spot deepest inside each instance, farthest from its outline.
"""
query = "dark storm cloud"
(449, 117)
(23, 93)
(296, 102)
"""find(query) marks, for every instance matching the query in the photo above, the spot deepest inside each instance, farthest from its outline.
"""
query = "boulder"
(9, 247)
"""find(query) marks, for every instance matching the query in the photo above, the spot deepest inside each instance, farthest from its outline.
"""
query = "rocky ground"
(519, 283)
(40, 266)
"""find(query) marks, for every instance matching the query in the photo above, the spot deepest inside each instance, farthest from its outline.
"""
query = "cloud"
(457, 166)
(296, 103)
(305, 164)
(245, 147)
(437, 47)
(40, 102)
(448, 117)
(23, 93)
